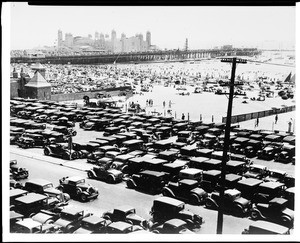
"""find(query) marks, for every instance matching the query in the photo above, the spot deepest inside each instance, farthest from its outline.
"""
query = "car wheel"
(129, 222)
(66, 156)
(130, 184)
(286, 221)
(110, 179)
(238, 211)
(254, 215)
(70, 229)
(194, 200)
(83, 197)
(209, 204)
(46, 151)
(90, 175)
(60, 188)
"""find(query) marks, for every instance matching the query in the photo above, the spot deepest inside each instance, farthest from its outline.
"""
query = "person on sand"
(276, 119)
(257, 122)
(183, 116)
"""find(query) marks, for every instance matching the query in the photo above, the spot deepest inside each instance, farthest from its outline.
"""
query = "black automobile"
(77, 188)
(151, 181)
(60, 150)
(18, 172)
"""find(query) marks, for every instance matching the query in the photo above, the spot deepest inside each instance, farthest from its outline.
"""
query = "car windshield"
(50, 185)
(80, 181)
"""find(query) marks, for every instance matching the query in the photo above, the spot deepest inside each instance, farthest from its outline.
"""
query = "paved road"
(114, 195)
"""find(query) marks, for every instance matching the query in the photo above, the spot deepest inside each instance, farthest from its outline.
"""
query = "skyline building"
(104, 42)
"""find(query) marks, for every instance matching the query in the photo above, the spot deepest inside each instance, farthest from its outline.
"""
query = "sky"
(204, 27)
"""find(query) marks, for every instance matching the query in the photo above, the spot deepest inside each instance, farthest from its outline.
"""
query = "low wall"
(254, 115)
(91, 94)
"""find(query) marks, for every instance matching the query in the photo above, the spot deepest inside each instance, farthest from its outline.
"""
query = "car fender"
(92, 172)
(210, 203)
(131, 184)
(257, 211)
(168, 192)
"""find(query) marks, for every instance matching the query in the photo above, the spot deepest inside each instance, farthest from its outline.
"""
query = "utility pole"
(231, 85)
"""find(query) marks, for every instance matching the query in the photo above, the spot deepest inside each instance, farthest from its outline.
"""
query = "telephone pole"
(231, 85)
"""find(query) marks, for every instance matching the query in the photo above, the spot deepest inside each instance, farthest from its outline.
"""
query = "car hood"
(115, 172)
(242, 201)
(186, 231)
(82, 231)
(288, 212)
(62, 222)
(199, 191)
(52, 191)
(135, 217)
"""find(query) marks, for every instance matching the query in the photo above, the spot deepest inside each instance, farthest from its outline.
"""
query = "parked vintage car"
(60, 150)
(268, 152)
(275, 175)
(289, 194)
(236, 167)
(210, 180)
(256, 171)
(172, 226)
(30, 226)
(186, 190)
(70, 219)
(121, 227)
(234, 203)
(148, 180)
(266, 191)
(25, 142)
(65, 130)
(18, 172)
(166, 208)
(286, 154)
(32, 203)
(15, 193)
(262, 227)
(46, 187)
(77, 188)
(274, 211)
(248, 187)
(109, 175)
(252, 146)
(127, 214)
(92, 225)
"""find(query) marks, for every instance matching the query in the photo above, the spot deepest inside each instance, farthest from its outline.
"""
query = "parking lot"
(112, 195)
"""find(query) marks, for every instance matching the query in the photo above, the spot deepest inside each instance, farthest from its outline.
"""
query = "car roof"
(269, 226)
(15, 215)
(29, 223)
(93, 219)
(71, 210)
(188, 182)
(250, 181)
(232, 177)
(153, 173)
(120, 225)
(39, 181)
(75, 178)
(175, 222)
(16, 191)
(133, 141)
(271, 184)
(235, 162)
(212, 172)
(278, 200)
(124, 208)
(191, 171)
(155, 161)
(169, 200)
(257, 166)
(31, 197)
